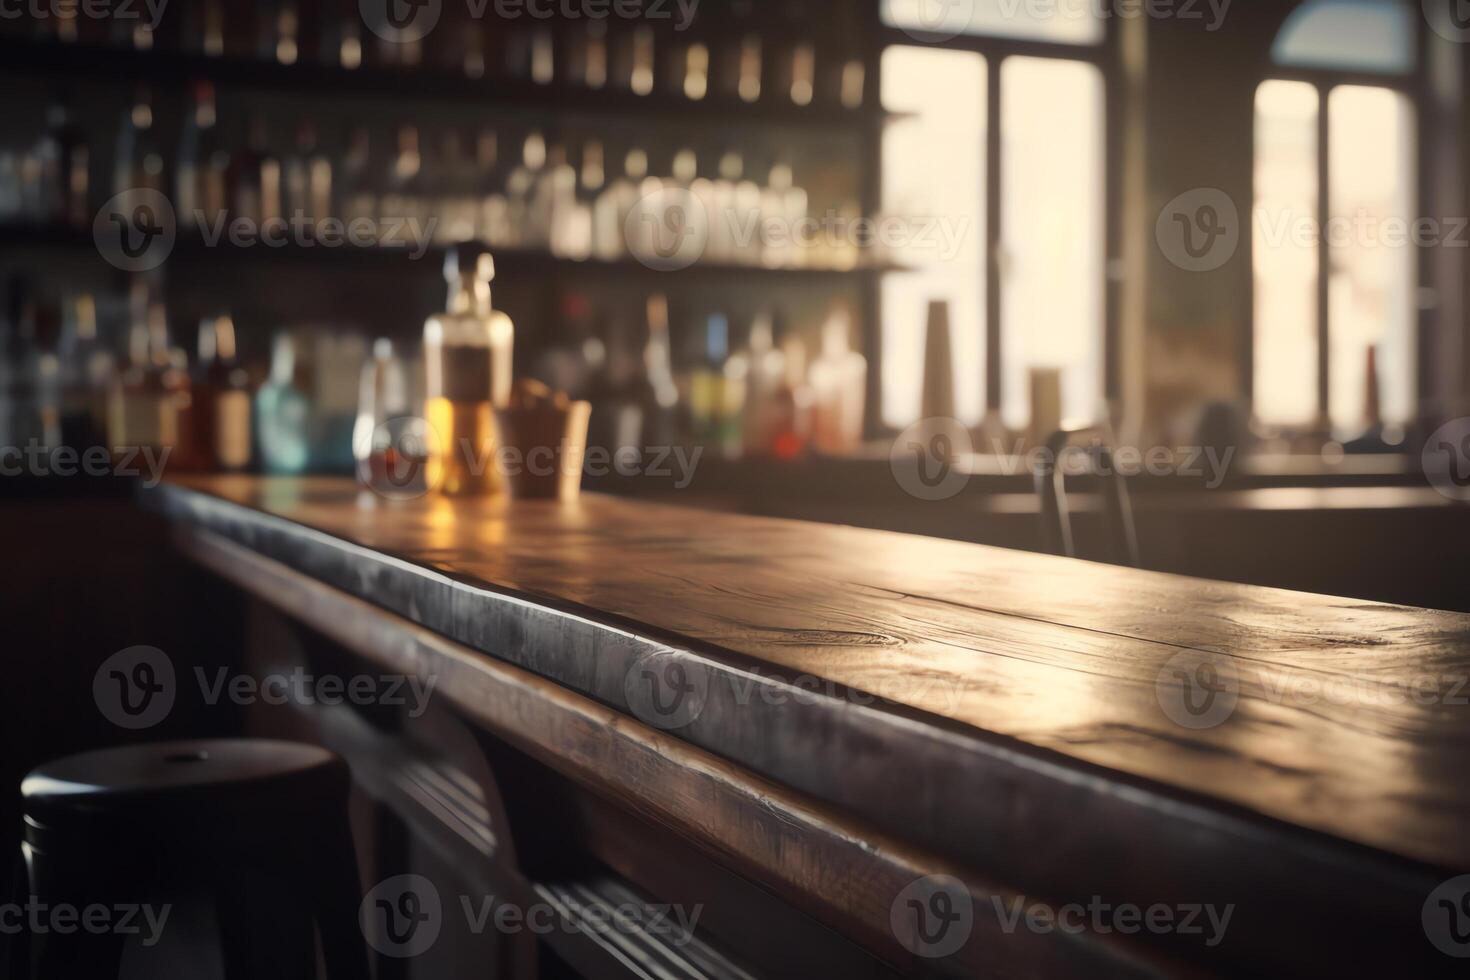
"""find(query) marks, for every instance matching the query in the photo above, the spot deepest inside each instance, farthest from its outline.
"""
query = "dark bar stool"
(257, 827)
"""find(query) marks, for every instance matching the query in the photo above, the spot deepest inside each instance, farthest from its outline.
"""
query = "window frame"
(1413, 85)
(1102, 55)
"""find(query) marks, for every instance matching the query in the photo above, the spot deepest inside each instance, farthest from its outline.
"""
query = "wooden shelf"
(195, 250)
(168, 69)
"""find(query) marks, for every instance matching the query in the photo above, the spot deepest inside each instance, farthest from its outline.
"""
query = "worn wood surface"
(1033, 717)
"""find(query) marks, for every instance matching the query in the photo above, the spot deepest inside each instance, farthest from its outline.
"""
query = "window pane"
(1366, 35)
(1059, 21)
(1052, 219)
(1285, 253)
(1371, 292)
(934, 172)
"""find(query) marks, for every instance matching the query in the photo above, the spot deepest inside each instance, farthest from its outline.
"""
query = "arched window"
(998, 135)
(1335, 239)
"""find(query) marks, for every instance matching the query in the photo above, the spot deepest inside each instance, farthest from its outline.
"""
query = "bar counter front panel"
(835, 716)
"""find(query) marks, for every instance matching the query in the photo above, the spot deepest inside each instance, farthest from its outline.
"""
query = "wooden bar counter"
(831, 714)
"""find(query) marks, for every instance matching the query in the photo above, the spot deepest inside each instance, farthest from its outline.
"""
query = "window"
(1038, 301)
(1335, 255)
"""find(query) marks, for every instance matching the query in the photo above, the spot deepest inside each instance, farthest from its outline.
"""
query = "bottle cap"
(469, 262)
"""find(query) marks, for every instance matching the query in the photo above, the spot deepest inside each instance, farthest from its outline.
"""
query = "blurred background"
(1232, 234)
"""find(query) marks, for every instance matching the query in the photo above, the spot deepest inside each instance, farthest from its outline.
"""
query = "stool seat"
(187, 780)
(256, 830)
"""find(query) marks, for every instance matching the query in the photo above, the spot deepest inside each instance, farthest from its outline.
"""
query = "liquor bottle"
(520, 190)
(468, 360)
(308, 178)
(283, 42)
(144, 405)
(587, 65)
(707, 384)
(86, 374)
(614, 204)
(204, 28)
(139, 162)
(556, 209)
(30, 398)
(795, 403)
(200, 199)
(221, 398)
(660, 391)
(255, 178)
(493, 220)
(404, 198)
(615, 394)
(283, 411)
(784, 202)
(734, 398)
(65, 179)
(765, 414)
(356, 195)
(839, 387)
(458, 207)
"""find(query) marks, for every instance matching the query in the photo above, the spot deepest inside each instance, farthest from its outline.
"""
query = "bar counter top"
(1063, 727)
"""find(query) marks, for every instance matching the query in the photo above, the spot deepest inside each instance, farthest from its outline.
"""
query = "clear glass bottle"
(839, 387)
(143, 411)
(467, 361)
(283, 411)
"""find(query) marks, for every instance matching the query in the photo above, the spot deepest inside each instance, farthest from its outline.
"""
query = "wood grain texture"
(841, 873)
(1025, 724)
